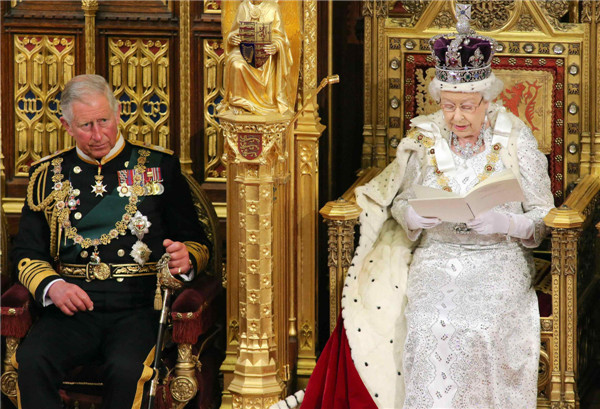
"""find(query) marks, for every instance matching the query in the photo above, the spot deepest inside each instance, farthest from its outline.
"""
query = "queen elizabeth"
(438, 314)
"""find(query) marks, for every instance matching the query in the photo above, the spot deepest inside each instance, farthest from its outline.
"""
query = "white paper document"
(498, 189)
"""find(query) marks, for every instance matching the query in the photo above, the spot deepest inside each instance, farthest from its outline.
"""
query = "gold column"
(306, 198)
(184, 89)
(370, 60)
(89, 8)
(594, 79)
(375, 13)
(256, 145)
(380, 84)
(564, 303)
(341, 217)
(595, 105)
(231, 278)
(590, 136)
(306, 140)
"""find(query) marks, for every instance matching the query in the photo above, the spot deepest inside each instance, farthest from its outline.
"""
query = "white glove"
(414, 221)
(515, 225)
(490, 223)
(521, 227)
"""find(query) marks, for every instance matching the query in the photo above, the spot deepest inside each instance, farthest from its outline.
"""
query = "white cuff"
(46, 300)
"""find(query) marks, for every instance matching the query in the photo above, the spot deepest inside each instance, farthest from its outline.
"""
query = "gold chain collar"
(488, 169)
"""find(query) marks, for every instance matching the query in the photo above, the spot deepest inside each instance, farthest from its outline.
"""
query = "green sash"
(102, 218)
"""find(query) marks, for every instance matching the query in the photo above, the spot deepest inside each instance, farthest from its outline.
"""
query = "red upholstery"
(545, 304)
(193, 312)
(16, 317)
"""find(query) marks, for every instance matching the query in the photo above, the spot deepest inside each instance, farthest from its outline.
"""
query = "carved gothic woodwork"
(42, 66)
(214, 168)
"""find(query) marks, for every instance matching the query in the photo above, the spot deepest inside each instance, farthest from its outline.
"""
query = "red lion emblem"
(522, 94)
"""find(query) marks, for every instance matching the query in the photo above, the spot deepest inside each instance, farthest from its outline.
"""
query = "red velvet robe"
(335, 383)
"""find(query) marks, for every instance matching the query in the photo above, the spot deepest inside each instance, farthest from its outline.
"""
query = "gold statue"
(259, 61)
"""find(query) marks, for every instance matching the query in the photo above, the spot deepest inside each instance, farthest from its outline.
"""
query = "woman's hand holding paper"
(415, 222)
(515, 225)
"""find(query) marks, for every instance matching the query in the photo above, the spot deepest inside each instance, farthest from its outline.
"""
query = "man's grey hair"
(81, 88)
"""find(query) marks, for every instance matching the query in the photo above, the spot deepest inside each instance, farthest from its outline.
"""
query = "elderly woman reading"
(438, 314)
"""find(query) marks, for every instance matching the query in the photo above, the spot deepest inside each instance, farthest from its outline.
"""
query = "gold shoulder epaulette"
(52, 155)
(152, 147)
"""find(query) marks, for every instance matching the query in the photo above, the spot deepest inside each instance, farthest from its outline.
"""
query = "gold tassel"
(157, 296)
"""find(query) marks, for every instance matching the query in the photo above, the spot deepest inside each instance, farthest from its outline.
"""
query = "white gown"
(472, 313)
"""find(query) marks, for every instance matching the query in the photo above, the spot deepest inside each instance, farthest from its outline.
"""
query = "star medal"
(140, 252)
(139, 225)
(98, 188)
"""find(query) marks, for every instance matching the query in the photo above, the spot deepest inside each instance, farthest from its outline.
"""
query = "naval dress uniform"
(100, 225)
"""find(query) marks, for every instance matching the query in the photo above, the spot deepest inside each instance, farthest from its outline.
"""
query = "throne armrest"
(193, 312)
(14, 309)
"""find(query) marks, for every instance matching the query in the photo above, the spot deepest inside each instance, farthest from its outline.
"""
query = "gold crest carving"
(250, 145)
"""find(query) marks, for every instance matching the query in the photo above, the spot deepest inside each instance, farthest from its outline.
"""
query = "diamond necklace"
(469, 149)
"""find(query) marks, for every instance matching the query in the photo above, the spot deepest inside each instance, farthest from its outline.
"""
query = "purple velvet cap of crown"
(440, 47)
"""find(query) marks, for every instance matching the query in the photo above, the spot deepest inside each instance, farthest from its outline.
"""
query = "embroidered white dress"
(472, 314)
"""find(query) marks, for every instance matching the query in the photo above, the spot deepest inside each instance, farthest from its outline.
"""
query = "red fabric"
(545, 304)
(335, 383)
(16, 318)
(194, 311)
(164, 399)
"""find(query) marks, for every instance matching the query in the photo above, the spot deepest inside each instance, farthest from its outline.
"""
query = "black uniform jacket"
(170, 211)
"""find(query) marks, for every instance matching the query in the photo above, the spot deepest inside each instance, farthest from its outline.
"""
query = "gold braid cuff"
(199, 252)
(32, 272)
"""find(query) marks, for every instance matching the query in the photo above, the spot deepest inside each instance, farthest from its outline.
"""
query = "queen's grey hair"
(81, 88)
(489, 92)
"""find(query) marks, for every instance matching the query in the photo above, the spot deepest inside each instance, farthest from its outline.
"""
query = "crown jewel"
(464, 56)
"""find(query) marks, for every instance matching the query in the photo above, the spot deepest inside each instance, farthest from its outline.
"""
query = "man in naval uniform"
(96, 220)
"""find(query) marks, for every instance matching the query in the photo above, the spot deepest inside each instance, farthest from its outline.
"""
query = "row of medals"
(152, 187)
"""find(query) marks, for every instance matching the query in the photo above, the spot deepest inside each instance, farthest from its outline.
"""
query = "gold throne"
(544, 65)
